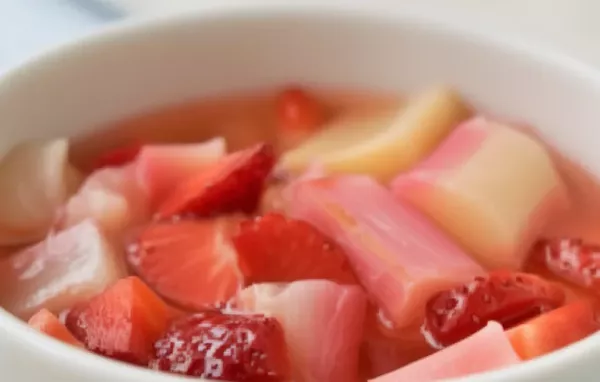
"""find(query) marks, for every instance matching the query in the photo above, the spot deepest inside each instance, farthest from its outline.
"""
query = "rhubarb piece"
(273, 248)
(397, 254)
(122, 323)
(224, 347)
(385, 143)
(233, 184)
(159, 168)
(322, 321)
(191, 263)
(112, 198)
(490, 186)
(486, 350)
(505, 297)
(554, 330)
(48, 323)
(64, 269)
(35, 180)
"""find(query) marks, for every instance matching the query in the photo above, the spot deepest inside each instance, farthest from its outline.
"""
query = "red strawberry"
(48, 323)
(121, 323)
(272, 248)
(506, 297)
(298, 110)
(189, 262)
(234, 183)
(554, 330)
(119, 156)
(243, 348)
(572, 260)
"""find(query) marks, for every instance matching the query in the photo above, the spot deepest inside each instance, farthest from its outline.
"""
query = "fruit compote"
(306, 236)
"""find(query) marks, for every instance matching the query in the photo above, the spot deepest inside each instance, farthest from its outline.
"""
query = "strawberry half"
(234, 183)
(231, 347)
(121, 323)
(508, 298)
(272, 248)
(189, 262)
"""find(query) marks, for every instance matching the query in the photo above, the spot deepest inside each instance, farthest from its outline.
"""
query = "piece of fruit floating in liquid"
(490, 186)
(397, 254)
(30, 193)
(572, 260)
(486, 350)
(227, 347)
(506, 297)
(191, 263)
(159, 167)
(383, 144)
(66, 268)
(322, 322)
(555, 330)
(112, 197)
(123, 322)
(232, 184)
(49, 324)
(273, 248)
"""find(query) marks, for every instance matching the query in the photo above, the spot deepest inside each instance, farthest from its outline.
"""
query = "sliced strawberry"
(243, 348)
(48, 323)
(189, 262)
(233, 183)
(571, 259)
(121, 323)
(119, 156)
(298, 110)
(272, 248)
(506, 297)
(554, 330)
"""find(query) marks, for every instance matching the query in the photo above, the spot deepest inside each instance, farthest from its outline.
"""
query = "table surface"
(26, 26)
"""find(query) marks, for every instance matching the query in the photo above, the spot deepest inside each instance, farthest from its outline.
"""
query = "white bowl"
(136, 67)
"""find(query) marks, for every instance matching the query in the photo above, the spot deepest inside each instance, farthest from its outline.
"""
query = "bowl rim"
(57, 352)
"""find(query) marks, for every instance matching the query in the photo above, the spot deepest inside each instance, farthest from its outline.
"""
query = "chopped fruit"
(572, 260)
(486, 350)
(490, 186)
(299, 115)
(322, 321)
(161, 167)
(384, 144)
(35, 179)
(298, 110)
(119, 157)
(555, 330)
(272, 248)
(506, 297)
(112, 198)
(48, 323)
(232, 184)
(272, 199)
(64, 269)
(224, 347)
(191, 263)
(122, 323)
(396, 253)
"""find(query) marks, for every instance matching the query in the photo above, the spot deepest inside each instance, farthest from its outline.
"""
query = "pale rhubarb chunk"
(384, 143)
(490, 186)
